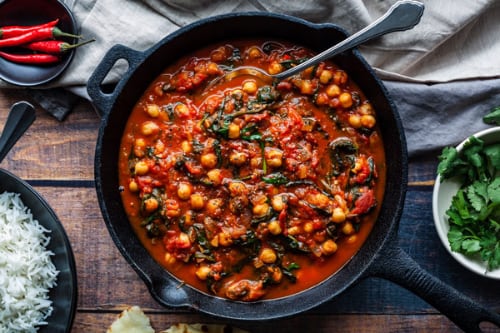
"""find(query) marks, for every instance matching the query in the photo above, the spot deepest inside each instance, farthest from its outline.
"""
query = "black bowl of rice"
(38, 286)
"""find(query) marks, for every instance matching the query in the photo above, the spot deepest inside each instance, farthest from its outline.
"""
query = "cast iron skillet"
(379, 256)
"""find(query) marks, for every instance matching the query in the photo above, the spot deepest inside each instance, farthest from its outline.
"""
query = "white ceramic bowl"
(441, 200)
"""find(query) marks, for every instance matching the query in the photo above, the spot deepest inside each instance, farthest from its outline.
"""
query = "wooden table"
(57, 159)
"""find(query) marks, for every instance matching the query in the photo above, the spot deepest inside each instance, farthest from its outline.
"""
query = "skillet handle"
(102, 100)
(397, 266)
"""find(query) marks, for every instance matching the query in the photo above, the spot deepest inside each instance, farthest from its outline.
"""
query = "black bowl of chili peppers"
(37, 39)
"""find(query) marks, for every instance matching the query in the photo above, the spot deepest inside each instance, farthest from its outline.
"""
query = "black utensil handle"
(101, 99)
(20, 118)
(397, 266)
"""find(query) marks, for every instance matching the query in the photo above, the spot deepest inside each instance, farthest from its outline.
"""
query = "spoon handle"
(403, 15)
(21, 116)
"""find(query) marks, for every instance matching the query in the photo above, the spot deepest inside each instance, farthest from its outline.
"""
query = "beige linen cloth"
(455, 40)
(444, 74)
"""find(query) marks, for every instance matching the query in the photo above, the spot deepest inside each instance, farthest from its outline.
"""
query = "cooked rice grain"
(26, 270)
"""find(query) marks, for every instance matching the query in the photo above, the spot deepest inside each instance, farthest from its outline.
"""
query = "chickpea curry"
(250, 190)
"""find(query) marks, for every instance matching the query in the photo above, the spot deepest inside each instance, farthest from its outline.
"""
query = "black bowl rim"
(24, 75)
(61, 319)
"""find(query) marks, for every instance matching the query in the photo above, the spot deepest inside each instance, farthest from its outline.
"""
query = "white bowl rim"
(490, 135)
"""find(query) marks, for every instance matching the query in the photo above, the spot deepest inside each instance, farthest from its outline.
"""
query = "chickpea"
(340, 77)
(250, 87)
(366, 108)
(325, 76)
(275, 68)
(233, 131)
(225, 239)
(150, 205)
(186, 146)
(214, 206)
(368, 121)
(318, 199)
(348, 228)
(237, 158)
(295, 230)
(278, 202)
(133, 186)
(203, 272)
(214, 176)
(268, 256)
(302, 171)
(149, 128)
(261, 209)
(182, 110)
(209, 160)
(219, 55)
(196, 200)
(352, 238)
(188, 218)
(172, 208)
(307, 87)
(338, 215)
(141, 168)
(184, 191)
(354, 120)
(274, 227)
(213, 68)
(139, 147)
(169, 259)
(153, 110)
(159, 147)
(308, 227)
(237, 188)
(274, 157)
(256, 162)
(254, 52)
(329, 247)
(332, 90)
(345, 100)
(322, 99)
(183, 241)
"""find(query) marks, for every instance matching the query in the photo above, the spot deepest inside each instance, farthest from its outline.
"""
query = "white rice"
(26, 270)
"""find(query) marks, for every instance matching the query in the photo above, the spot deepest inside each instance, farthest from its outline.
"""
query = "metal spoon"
(21, 116)
(403, 15)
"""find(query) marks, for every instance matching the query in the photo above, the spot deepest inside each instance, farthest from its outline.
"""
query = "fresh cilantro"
(493, 118)
(474, 214)
(276, 178)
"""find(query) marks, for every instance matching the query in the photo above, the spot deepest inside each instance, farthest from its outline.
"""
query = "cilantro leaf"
(493, 118)
(471, 246)
(477, 195)
(494, 191)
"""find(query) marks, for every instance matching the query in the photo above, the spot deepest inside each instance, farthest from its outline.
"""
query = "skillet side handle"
(103, 101)
(398, 267)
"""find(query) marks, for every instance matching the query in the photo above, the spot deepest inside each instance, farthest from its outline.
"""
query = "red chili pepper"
(16, 30)
(54, 46)
(30, 58)
(35, 35)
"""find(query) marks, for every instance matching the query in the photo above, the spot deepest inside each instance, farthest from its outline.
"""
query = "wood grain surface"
(57, 159)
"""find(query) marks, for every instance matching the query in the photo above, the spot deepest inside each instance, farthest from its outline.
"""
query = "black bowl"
(64, 294)
(32, 12)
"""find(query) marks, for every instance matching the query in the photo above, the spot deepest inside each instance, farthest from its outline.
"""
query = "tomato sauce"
(248, 189)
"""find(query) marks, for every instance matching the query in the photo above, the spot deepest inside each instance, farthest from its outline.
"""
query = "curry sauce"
(250, 190)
